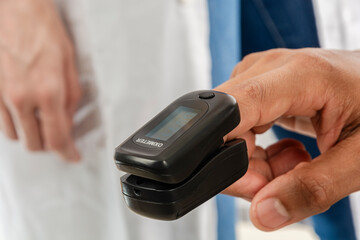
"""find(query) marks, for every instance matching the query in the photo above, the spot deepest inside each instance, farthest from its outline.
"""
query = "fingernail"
(272, 213)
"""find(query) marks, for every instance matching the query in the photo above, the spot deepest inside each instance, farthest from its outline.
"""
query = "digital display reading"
(173, 123)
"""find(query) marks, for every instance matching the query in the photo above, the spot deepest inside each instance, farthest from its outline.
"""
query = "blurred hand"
(39, 86)
(311, 91)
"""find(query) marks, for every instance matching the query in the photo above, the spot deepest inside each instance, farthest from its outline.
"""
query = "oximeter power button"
(206, 95)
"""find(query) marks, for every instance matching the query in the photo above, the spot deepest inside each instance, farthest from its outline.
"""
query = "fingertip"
(269, 214)
(73, 155)
(69, 152)
(11, 135)
(247, 186)
(287, 159)
(34, 147)
(282, 144)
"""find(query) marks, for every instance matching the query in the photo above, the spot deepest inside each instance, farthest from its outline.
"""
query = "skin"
(39, 86)
(311, 91)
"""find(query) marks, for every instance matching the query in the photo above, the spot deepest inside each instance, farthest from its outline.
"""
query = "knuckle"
(11, 134)
(312, 58)
(253, 90)
(304, 57)
(15, 97)
(250, 57)
(49, 93)
(273, 54)
(237, 67)
(314, 189)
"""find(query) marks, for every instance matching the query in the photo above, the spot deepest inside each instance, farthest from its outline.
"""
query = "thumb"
(310, 188)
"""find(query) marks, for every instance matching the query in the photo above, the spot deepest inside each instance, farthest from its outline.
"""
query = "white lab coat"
(134, 58)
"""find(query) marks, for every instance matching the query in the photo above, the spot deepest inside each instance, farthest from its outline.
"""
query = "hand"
(39, 87)
(308, 90)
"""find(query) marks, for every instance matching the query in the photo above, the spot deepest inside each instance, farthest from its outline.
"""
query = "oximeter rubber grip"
(171, 201)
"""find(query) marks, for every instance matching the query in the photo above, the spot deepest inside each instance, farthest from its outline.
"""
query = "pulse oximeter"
(179, 160)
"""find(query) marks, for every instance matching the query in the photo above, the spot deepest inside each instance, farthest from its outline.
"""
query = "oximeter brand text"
(149, 142)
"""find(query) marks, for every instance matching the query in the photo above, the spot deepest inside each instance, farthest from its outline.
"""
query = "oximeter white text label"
(149, 142)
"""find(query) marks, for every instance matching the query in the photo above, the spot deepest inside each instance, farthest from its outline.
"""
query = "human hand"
(308, 90)
(39, 86)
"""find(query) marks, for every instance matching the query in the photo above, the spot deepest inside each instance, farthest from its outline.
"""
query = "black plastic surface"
(174, 160)
(171, 201)
(206, 95)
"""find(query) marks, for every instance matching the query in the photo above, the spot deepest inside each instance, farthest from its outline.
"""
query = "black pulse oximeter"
(178, 160)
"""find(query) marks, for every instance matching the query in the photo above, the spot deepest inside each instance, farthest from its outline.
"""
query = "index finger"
(266, 97)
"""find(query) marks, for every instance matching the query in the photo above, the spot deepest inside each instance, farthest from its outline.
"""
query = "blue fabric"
(225, 50)
(310, 143)
(226, 216)
(270, 24)
(336, 223)
(225, 38)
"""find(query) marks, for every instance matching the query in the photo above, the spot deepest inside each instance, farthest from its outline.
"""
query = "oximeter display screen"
(173, 123)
